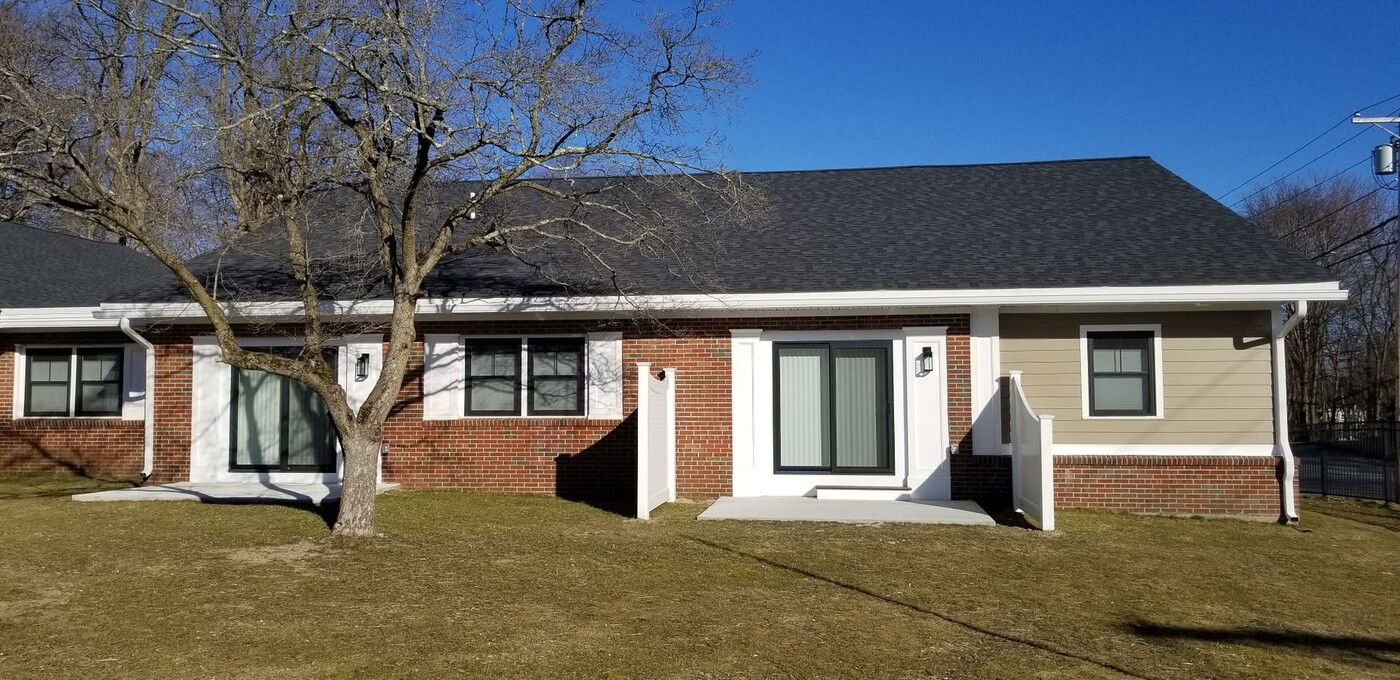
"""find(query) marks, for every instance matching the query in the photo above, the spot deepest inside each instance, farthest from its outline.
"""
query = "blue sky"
(1216, 91)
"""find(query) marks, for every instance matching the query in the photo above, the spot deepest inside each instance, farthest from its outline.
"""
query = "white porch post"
(985, 330)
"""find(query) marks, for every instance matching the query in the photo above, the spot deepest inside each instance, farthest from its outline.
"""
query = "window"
(66, 382)
(553, 384)
(832, 407)
(556, 376)
(493, 377)
(1121, 375)
(277, 424)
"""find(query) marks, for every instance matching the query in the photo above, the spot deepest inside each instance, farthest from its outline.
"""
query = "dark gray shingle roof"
(45, 269)
(1078, 223)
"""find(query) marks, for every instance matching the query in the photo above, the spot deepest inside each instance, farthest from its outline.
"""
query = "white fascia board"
(739, 302)
(54, 318)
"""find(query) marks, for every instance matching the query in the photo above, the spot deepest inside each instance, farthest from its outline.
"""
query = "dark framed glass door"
(279, 424)
(833, 407)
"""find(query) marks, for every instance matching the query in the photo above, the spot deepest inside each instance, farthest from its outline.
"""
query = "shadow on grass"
(1364, 512)
(58, 485)
(1007, 517)
(1342, 648)
(1006, 637)
(326, 510)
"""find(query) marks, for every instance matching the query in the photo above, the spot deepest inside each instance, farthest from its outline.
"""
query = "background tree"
(1341, 357)
(245, 116)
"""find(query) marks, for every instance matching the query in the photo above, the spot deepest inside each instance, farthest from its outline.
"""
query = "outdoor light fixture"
(924, 362)
(362, 368)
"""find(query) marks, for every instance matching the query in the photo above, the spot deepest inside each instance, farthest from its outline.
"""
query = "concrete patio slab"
(805, 509)
(255, 492)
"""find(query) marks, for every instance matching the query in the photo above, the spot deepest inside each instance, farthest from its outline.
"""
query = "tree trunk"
(358, 485)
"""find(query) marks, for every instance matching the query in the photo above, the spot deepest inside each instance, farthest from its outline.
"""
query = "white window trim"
(1159, 398)
(21, 371)
(753, 418)
(524, 378)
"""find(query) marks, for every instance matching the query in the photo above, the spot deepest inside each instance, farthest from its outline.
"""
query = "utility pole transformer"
(1382, 164)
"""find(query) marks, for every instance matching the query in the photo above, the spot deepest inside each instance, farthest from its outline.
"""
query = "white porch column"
(743, 351)
(985, 329)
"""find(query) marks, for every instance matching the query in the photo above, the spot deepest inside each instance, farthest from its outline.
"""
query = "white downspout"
(149, 404)
(1281, 446)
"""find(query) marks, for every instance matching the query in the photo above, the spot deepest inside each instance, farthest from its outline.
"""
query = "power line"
(1281, 160)
(1309, 143)
(1323, 155)
(1292, 197)
(1353, 256)
(1358, 199)
(1357, 237)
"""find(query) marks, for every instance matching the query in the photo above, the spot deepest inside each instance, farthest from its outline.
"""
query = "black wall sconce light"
(923, 364)
(362, 368)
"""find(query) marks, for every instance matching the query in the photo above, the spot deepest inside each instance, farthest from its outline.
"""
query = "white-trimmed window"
(1122, 371)
(73, 381)
(509, 376)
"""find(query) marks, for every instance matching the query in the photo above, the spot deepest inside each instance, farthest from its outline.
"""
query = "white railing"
(1032, 459)
(656, 439)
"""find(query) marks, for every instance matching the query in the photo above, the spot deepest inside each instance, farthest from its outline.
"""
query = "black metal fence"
(1347, 459)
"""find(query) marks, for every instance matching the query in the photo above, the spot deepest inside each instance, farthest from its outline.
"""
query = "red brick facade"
(98, 447)
(1195, 485)
(595, 459)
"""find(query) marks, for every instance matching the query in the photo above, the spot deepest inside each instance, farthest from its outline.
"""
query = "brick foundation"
(1188, 485)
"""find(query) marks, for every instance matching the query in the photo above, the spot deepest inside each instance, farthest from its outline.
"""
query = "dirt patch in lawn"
(295, 555)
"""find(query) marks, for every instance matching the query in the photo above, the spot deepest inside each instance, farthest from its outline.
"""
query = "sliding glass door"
(279, 425)
(833, 407)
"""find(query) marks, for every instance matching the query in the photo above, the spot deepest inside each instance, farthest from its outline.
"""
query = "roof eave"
(738, 302)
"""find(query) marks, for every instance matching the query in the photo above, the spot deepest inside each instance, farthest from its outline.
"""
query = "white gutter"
(56, 318)
(735, 302)
(149, 403)
(1279, 353)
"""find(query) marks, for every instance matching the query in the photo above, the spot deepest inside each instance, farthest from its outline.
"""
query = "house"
(860, 344)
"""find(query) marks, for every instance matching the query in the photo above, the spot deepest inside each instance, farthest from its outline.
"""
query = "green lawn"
(503, 587)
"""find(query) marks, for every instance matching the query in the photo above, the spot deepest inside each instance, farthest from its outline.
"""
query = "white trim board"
(734, 302)
(1247, 450)
(920, 425)
(210, 405)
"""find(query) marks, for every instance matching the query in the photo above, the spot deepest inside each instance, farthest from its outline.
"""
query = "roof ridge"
(916, 166)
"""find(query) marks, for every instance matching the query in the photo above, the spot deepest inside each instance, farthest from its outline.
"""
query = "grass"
(502, 586)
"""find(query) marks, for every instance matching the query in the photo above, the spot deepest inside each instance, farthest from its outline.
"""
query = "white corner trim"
(1248, 450)
(737, 302)
(1157, 368)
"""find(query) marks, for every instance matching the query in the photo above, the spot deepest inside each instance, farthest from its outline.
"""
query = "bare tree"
(1341, 357)
(277, 110)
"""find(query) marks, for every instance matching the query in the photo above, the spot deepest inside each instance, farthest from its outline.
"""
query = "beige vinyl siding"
(1216, 376)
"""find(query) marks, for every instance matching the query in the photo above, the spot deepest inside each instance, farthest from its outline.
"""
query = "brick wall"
(102, 447)
(1195, 485)
(595, 460)
(174, 383)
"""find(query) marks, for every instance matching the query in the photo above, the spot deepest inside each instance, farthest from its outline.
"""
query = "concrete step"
(863, 493)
